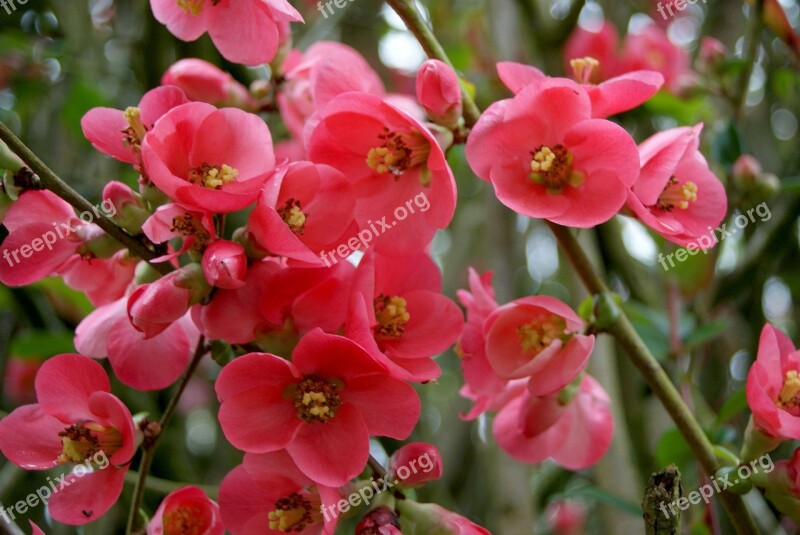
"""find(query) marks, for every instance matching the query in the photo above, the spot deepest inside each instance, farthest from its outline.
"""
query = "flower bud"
(566, 517)
(379, 521)
(415, 464)
(205, 82)
(712, 54)
(125, 206)
(187, 510)
(431, 518)
(439, 92)
(225, 264)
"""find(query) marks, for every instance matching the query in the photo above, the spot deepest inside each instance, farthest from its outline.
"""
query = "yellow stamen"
(83, 440)
(398, 153)
(191, 7)
(184, 521)
(293, 216)
(538, 334)
(677, 195)
(392, 316)
(292, 514)
(212, 176)
(582, 68)
(552, 167)
(315, 399)
(790, 392)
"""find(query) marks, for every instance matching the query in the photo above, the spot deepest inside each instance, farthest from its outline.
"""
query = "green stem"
(416, 25)
(377, 467)
(750, 59)
(149, 447)
(141, 247)
(658, 380)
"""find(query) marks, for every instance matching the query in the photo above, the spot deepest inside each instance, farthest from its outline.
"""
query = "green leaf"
(601, 495)
(727, 146)
(705, 333)
(673, 449)
(733, 406)
(41, 344)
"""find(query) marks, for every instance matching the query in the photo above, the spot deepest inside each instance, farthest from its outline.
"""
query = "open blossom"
(322, 407)
(76, 420)
(194, 228)
(245, 31)
(209, 159)
(143, 363)
(538, 337)
(390, 158)
(773, 386)
(575, 432)
(205, 82)
(548, 158)
(268, 494)
(186, 510)
(120, 133)
(303, 210)
(651, 49)
(314, 77)
(398, 302)
(677, 195)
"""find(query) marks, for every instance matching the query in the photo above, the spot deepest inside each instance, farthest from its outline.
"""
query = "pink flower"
(207, 159)
(600, 45)
(76, 420)
(391, 160)
(793, 472)
(439, 92)
(651, 49)
(103, 280)
(169, 221)
(615, 95)
(186, 510)
(416, 463)
(537, 337)
(481, 381)
(154, 307)
(676, 194)
(322, 407)
(304, 210)
(205, 82)
(120, 133)
(548, 158)
(566, 517)
(225, 265)
(313, 78)
(19, 379)
(246, 31)
(773, 386)
(268, 494)
(142, 363)
(575, 432)
(43, 234)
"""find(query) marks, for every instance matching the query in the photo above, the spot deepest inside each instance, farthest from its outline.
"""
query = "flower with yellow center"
(789, 397)
(316, 399)
(184, 521)
(293, 216)
(136, 130)
(677, 195)
(582, 68)
(551, 167)
(212, 176)
(398, 153)
(83, 440)
(392, 316)
(292, 514)
(538, 334)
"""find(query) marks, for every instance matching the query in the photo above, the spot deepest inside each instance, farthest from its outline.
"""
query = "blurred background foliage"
(59, 59)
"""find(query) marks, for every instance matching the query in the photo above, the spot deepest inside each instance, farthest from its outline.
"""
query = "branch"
(149, 445)
(657, 379)
(141, 247)
(750, 59)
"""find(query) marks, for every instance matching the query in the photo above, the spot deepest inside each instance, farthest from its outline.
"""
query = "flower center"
(184, 521)
(316, 399)
(392, 315)
(677, 195)
(789, 398)
(292, 514)
(136, 130)
(582, 69)
(191, 7)
(552, 168)
(398, 152)
(189, 225)
(538, 334)
(293, 216)
(81, 441)
(212, 176)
